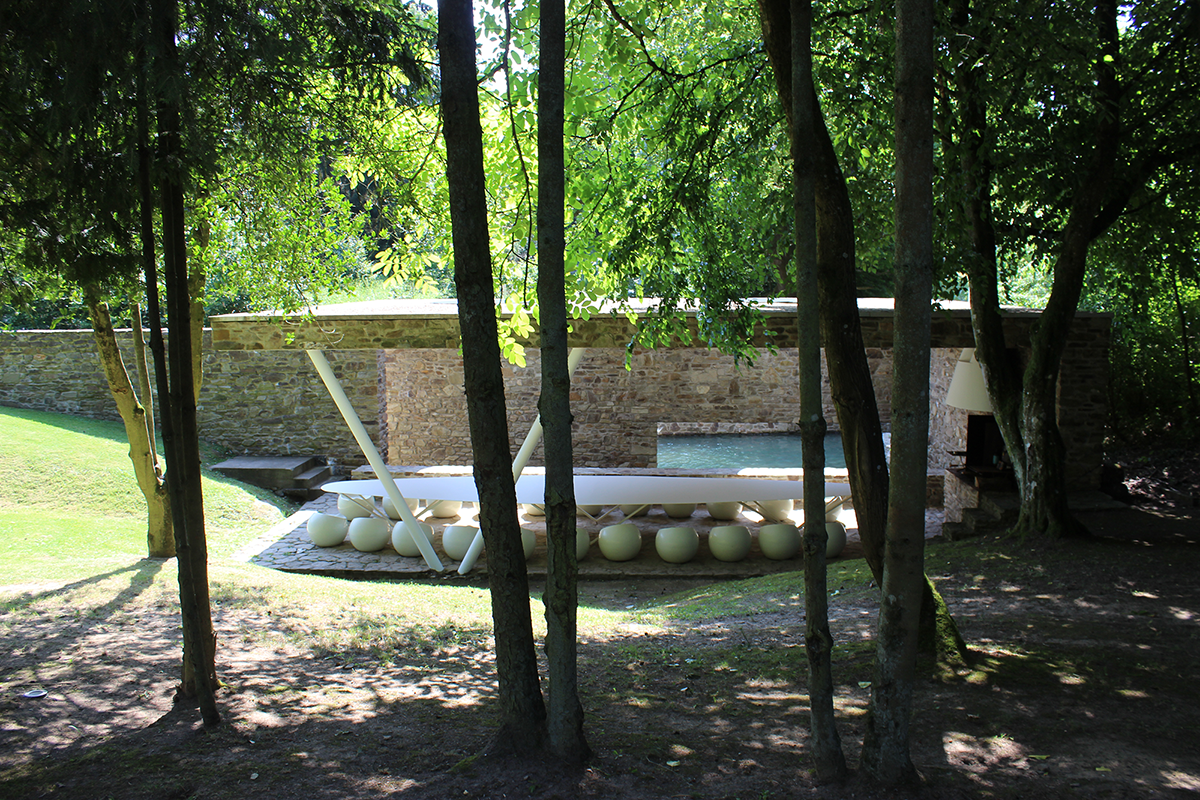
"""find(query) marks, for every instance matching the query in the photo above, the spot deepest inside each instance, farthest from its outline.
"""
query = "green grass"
(72, 532)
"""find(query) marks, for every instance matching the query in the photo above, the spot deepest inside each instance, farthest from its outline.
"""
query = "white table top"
(602, 490)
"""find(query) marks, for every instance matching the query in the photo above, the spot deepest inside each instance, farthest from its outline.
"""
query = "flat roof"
(433, 323)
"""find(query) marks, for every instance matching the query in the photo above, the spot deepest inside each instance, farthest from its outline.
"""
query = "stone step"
(313, 478)
(268, 472)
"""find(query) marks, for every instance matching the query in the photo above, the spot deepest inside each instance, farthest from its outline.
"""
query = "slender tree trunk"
(160, 539)
(181, 436)
(1185, 343)
(841, 334)
(565, 719)
(841, 329)
(143, 378)
(886, 755)
(1028, 420)
(522, 711)
(818, 639)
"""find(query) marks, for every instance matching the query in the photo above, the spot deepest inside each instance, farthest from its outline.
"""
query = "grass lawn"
(1081, 683)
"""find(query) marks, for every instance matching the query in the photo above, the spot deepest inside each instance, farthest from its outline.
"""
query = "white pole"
(368, 448)
(527, 447)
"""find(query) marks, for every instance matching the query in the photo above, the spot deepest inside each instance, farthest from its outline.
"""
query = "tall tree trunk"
(841, 334)
(160, 539)
(818, 639)
(1028, 419)
(565, 719)
(177, 397)
(841, 329)
(886, 755)
(522, 712)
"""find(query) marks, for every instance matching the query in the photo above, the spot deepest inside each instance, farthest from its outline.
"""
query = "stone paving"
(286, 546)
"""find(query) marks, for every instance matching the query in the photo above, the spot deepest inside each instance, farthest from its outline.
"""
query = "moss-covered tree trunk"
(841, 329)
(522, 711)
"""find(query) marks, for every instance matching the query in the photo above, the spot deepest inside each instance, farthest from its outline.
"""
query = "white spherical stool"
(679, 510)
(402, 540)
(583, 543)
(775, 510)
(456, 539)
(620, 542)
(352, 506)
(591, 511)
(528, 542)
(724, 511)
(444, 509)
(389, 507)
(835, 541)
(779, 542)
(635, 510)
(729, 542)
(327, 530)
(676, 545)
(533, 510)
(368, 534)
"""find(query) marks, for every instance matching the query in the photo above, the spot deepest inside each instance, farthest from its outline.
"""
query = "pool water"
(741, 451)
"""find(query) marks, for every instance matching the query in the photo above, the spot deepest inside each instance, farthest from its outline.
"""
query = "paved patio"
(286, 546)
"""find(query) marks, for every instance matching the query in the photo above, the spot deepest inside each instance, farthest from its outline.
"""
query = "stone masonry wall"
(619, 412)
(271, 401)
(255, 402)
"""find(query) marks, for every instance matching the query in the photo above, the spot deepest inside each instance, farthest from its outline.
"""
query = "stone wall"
(262, 401)
(269, 402)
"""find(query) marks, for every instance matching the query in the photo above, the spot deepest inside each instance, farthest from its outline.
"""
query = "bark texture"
(1028, 418)
(886, 756)
(565, 713)
(160, 537)
(177, 392)
(522, 711)
(818, 639)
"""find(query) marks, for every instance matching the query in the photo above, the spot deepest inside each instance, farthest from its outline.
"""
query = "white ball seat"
(780, 541)
(444, 509)
(528, 542)
(369, 534)
(634, 510)
(583, 543)
(676, 545)
(776, 510)
(352, 506)
(835, 539)
(723, 511)
(402, 540)
(620, 542)
(679, 510)
(729, 542)
(456, 540)
(327, 530)
(389, 507)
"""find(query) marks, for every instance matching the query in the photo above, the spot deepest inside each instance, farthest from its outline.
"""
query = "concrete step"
(313, 478)
(268, 472)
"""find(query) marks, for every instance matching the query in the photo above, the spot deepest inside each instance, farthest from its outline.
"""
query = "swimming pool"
(740, 451)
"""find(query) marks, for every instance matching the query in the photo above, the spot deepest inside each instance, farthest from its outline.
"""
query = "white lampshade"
(967, 390)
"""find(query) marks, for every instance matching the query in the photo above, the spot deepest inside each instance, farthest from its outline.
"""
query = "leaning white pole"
(527, 447)
(368, 448)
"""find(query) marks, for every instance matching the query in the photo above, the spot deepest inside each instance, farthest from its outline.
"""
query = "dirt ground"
(1082, 685)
